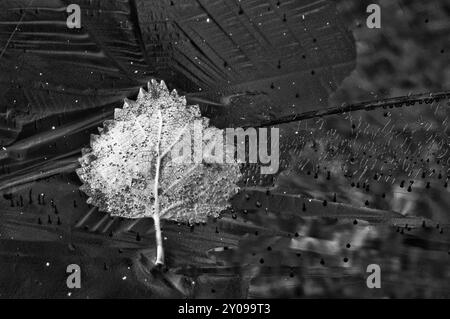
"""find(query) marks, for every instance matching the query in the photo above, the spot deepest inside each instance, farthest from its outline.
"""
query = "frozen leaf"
(131, 169)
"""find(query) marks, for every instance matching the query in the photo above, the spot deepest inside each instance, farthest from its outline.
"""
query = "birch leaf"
(130, 169)
(119, 171)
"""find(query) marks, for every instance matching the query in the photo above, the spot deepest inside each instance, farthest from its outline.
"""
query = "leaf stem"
(159, 242)
(156, 216)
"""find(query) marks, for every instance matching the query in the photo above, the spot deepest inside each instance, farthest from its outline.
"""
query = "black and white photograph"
(240, 150)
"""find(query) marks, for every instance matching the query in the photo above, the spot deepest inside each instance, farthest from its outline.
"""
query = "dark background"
(58, 85)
